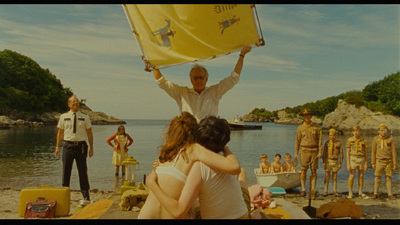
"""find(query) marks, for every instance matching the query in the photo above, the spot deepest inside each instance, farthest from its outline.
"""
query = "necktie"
(74, 123)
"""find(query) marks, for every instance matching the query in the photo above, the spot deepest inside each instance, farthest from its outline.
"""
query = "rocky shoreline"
(51, 118)
(343, 118)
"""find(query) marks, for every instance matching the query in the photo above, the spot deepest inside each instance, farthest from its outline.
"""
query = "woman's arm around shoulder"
(228, 163)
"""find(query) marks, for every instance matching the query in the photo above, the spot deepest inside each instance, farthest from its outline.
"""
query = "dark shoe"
(303, 194)
(336, 194)
(325, 194)
(85, 194)
(391, 197)
(374, 196)
(116, 174)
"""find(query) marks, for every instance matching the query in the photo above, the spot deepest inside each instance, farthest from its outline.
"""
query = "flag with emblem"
(173, 34)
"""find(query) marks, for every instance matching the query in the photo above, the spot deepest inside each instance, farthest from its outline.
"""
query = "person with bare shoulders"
(177, 156)
(221, 195)
(265, 166)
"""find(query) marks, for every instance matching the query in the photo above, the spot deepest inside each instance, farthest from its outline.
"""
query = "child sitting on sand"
(288, 166)
(265, 166)
(276, 167)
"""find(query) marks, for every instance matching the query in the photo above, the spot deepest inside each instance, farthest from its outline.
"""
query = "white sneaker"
(364, 196)
(350, 196)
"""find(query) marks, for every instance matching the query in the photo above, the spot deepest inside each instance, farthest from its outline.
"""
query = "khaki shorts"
(306, 156)
(332, 165)
(357, 162)
(384, 167)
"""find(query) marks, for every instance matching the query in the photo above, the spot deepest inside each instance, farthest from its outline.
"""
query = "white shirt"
(199, 105)
(220, 196)
(66, 123)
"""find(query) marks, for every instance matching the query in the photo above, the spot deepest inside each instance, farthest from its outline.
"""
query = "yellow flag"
(173, 34)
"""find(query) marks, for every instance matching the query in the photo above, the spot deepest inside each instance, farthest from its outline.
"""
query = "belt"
(75, 142)
(308, 146)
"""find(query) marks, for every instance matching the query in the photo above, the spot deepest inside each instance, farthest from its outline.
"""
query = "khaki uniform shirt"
(333, 153)
(356, 147)
(308, 137)
(383, 149)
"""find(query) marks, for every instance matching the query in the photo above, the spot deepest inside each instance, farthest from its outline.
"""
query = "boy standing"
(356, 157)
(383, 160)
(332, 158)
(265, 167)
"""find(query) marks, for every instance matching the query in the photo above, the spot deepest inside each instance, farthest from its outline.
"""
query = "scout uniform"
(357, 149)
(356, 159)
(332, 152)
(330, 157)
(308, 139)
(75, 148)
(383, 157)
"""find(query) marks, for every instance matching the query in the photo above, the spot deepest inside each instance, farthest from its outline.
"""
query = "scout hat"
(306, 111)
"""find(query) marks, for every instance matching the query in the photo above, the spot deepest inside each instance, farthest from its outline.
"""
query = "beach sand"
(380, 208)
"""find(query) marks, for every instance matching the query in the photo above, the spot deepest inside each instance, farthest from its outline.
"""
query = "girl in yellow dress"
(120, 146)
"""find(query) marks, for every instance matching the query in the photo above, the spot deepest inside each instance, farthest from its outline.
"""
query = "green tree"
(27, 87)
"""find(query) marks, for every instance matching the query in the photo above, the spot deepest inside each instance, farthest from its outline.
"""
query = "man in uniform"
(309, 141)
(201, 101)
(383, 160)
(73, 128)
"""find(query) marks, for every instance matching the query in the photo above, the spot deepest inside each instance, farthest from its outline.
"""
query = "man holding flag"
(200, 100)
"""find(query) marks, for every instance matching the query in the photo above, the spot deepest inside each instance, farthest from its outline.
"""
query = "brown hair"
(180, 134)
(120, 126)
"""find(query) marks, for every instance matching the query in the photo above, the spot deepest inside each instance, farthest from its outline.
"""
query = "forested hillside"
(26, 87)
(382, 95)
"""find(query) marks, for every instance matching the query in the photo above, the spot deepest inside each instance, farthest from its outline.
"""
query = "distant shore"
(380, 208)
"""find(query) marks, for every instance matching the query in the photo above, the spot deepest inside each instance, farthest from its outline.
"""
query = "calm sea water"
(27, 155)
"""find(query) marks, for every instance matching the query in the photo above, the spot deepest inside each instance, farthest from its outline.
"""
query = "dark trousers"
(78, 152)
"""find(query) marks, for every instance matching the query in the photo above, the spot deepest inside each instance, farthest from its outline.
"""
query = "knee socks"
(350, 185)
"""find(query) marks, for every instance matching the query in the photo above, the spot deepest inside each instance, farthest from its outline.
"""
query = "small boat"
(286, 180)
(238, 124)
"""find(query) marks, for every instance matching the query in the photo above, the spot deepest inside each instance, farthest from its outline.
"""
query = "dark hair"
(278, 155)
(213, 133)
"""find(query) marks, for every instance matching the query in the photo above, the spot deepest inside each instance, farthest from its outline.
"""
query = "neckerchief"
(358, 145)
(330, 147)
(383, 143)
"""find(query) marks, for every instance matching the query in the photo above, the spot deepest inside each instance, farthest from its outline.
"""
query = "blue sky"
(312, 52)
